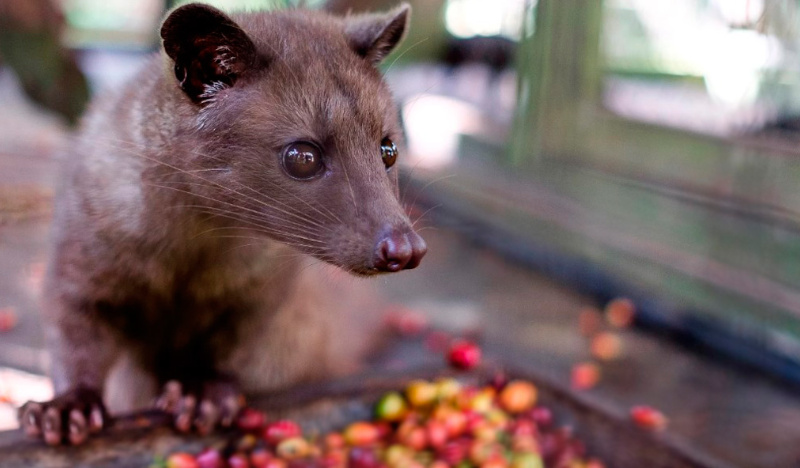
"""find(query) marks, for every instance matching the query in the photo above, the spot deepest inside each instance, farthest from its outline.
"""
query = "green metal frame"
(713, 222)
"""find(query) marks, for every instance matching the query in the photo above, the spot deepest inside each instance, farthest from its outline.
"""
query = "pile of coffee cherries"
(437, 424)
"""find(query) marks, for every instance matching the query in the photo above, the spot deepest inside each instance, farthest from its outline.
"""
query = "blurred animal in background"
(30, 44)
(207, 212)
(496, 52)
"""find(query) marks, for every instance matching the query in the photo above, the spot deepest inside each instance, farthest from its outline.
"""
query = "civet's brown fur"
(182, 250)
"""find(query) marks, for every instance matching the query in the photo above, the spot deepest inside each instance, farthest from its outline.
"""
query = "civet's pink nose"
(399, 250)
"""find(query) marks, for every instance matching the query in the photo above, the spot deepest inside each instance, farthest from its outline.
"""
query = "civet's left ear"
(374, 35)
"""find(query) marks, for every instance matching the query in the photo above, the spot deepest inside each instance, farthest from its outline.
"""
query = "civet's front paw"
(216, 405)
(70, 418)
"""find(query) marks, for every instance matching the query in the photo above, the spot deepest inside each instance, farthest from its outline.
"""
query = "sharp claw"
(96, 419)
(171, 397)
(219, 406)
(30, 418)
(173, 391)
(207, 417)
(185, 410)
(183, 422)
(189, 403)
(78, 430)
(51, 426)
(230, 409)
(69, 418)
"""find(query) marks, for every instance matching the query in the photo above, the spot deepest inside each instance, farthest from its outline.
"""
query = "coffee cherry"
(260, 458)
(447, 389)
(181, 460)
(397, 454)
(276, 463)
(498, 380)
(293, 448)
(464, 355)
(454, 452)
(251, 420)
(525, 444)
(518, 396)
(585, 375)
(498, 418)
(414, 438)
(363, 457)
(495, 462)
(334, 459)
(454, 421)
(593, 463)
(334, 441)
(647, 417)
(606, 346)
(238, 460)
(483, 451)
(483, 400)
(247, 443)
(360, 434)
(437, 434)
(543, 417)
(384, 429)
(275, 432)
(620, 312)
(527, 460)
(440, 425)
(8, 319)
(421, 393)
(485, 432)
(391, 407)
(210, 458)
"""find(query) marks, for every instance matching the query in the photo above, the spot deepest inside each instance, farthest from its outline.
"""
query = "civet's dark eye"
(388, 152)
(302, 160)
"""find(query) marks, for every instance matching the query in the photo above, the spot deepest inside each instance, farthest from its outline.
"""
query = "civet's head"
(294, 130)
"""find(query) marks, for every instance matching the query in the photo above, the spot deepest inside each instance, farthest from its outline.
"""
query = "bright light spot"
(672, 29)
(433, 126)
(734, 64)
(17, 387)
(739, 11)
(467, 18)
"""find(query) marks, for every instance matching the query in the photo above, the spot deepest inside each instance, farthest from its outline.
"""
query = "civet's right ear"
(209, 50)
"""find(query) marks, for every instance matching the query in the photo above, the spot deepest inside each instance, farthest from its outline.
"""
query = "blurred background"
(560, 154)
